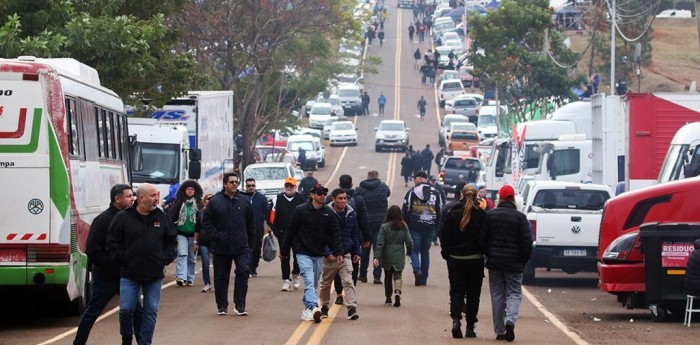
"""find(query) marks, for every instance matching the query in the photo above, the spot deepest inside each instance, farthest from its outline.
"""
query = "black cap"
(319, 188)
(420, 173)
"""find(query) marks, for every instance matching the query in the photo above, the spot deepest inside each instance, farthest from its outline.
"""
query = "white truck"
(166, 154)
(564, 218)
(566, 159)
(517, 156)
(683, 157)
(208, 117)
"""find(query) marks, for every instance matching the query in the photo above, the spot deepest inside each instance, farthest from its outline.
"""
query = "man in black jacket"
(283, 206)
(105, 272)
(313, 228)
(229, 221)
(506, 241)
(376, 194)
(143, 240)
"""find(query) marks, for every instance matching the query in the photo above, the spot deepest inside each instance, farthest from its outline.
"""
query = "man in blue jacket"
(347, 220)
(143, 240)
(313, 227)
(261, 210)
(229, 221)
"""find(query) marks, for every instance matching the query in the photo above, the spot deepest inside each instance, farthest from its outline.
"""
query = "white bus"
(63, 144)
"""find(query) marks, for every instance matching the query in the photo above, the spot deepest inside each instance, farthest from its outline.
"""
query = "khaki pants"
(330, 269)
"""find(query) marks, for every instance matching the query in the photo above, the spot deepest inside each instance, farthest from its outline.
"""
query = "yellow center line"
(322, 327)
(393, 156)
(298, 333)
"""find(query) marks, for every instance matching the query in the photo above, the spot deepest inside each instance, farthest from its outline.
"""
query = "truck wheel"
(660, 315)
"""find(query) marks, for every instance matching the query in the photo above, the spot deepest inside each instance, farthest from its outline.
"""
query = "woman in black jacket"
(459, 238)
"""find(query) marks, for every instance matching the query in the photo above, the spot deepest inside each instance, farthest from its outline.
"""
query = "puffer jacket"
(376, 194)
(506, 238)
(311, 230)
(692, 271)
(453, 240)
(180, 198)
(350, 233)
(357, 202)
(230, 224)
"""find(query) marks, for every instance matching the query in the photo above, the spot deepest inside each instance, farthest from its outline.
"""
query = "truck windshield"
(682, 161)
(487, 120)
(568, 199)
(295, 145)
(160, 163)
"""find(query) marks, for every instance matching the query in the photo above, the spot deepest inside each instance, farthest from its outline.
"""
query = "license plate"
(574, 252)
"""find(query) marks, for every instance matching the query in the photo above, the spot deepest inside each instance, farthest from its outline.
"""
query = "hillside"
(675, 56)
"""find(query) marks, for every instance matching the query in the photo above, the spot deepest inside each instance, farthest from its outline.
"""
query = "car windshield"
(487, 120)
(463, 126)
(321, 110)
(348, 93)
(266, 173)
(449, 120)
(457, 163)
(465, 136)
(343, 126)
(295, 145)
(391, 127)
(334, 101)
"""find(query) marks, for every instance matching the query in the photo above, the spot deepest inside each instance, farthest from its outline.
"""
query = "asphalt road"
(560, 309)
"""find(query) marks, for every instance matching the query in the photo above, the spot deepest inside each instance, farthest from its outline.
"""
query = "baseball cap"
(506, 192)
(432, 178)
(291, 180)
(420, 173)
(318, 188)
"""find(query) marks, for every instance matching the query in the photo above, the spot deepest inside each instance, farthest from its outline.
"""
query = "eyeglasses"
(233, 182)
(289, 185)
(250, 185)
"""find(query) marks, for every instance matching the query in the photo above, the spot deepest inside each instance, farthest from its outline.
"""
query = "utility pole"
(613, 28)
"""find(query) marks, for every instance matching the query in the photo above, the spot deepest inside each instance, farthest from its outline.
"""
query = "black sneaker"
(240, 310)
(377, 281)
(510, 331)
(352, 314)
(419, 278)
(180, 282)
(324, 312)
(222, 311)
(339, 300)
(501, 337)
(470, 332)
(397, 301)
(362, 279)
(387, 301)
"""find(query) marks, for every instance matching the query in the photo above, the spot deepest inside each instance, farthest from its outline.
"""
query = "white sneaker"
(206, 288)
(296, 281)
(308, 315)
(286, 285)
(316, 315)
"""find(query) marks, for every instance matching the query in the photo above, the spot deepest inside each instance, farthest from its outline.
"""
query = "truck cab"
(567, 159)
(683, 157)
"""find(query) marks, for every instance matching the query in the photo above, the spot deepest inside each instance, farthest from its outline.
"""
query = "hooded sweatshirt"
(421, 208)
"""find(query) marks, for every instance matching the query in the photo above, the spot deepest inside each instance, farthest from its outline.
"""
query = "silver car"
(391, 134)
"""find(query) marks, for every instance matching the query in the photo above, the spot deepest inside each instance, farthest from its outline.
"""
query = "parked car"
(392, 134)
(457, 126)
(271, 154)
(337, 107)
(445, 125)
(315, 151)
(319, 114)
(329, 123)
(444, 58)
(565, 219)
(463, 106)
(350, 98)
(460, 169)
(269, 177)
(449, 74)
(463, 143)
(467, 79)
(343, 133)
(449, 89)
(454, 45)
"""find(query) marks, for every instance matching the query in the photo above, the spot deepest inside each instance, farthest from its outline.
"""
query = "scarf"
(183, 212)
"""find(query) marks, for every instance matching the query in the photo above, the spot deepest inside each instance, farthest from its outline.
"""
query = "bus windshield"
(160, 163)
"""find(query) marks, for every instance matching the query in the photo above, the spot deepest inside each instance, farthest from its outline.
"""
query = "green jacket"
(392, 246)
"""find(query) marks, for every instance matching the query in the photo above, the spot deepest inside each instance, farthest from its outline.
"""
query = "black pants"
(391, 276)
(255, 255)
(465, 277)
(222, 275)
(339, 284)
(284, 263)
(103, 289)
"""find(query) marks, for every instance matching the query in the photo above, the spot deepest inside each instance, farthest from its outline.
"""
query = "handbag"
(269, 247)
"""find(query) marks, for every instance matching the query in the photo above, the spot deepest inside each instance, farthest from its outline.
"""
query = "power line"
(622, 34)
(590, 42)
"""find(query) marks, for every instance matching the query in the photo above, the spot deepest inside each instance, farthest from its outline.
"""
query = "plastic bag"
(269, 247)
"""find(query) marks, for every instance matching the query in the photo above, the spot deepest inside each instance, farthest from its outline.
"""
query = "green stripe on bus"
(33, 141)
(58, 176)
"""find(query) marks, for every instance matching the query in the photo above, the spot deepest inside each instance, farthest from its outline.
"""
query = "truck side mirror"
(195, 155)
(136, 156)
(194, 169)
(550, 163)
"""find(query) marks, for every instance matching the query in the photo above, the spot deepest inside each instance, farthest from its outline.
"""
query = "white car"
(319, 114)
(315, 152)
(334, 100)
(269, 177)
(343, 133)
(329, 124)
(455, 45)
(449, 89)
(391, 134)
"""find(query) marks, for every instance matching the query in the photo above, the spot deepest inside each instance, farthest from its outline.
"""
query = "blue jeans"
(128, 304)
(421, 247)
(186, 260)
(103, 289)
(204, 252)
(310, 268)
(506, 294)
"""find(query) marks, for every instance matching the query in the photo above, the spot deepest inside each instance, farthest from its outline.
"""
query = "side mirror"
(408, 129)
(375, 129)
(195, 154)
(136, 156)
(194, 170)
(499, 172)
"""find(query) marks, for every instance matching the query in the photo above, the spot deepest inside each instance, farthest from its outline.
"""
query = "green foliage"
(508, 53)
(128, 42)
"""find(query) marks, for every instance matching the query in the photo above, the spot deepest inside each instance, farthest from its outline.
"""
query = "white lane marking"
(553, 319)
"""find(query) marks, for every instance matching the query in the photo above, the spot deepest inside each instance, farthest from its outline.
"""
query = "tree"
(127, 42)
(510, 52)
(267, 51)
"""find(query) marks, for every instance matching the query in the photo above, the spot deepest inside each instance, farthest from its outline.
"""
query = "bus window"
(109, 130)
(100, 128)
(118, 136)
(71, 126)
